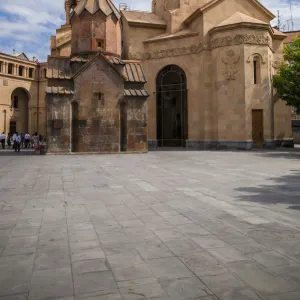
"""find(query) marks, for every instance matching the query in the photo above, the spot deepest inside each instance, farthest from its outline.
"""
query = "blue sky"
(26, 25)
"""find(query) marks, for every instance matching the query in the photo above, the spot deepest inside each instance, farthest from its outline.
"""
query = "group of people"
(18, 141)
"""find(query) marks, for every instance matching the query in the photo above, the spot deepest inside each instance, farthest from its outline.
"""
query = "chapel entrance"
(257, 128)
(20, 106)
(171, 107)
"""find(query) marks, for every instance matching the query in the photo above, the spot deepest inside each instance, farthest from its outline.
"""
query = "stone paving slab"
(163, 225)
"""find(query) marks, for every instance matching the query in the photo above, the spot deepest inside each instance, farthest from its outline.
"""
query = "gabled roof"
(92, 6)
(212, 3)
(239, 18)
(92, 61)
(22, 56)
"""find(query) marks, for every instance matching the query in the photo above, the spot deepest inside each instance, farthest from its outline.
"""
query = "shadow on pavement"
(282, 190)
(11, 152)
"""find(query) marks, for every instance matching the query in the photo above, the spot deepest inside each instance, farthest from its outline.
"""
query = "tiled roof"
(114, 60)
(59, 68)
(92, 6)
(133, 72)
(58, 90)
(136, 93)
(291, 36)
(79, 59)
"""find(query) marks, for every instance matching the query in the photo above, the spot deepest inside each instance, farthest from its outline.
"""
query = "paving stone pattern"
(163, 225)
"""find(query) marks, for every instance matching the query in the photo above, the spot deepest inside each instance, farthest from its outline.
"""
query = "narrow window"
(16, 102)
(256, 70)
(45, 73)
(99, 44)
(30, 73)
(1, 66)
(10, 69)
(21, 70)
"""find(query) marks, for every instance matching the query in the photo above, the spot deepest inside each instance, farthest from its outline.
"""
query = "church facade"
(194, 74)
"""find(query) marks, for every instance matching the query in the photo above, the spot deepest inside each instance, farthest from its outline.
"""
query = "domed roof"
(92, 6)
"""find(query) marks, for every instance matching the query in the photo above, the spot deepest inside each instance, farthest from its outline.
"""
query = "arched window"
(256, 70)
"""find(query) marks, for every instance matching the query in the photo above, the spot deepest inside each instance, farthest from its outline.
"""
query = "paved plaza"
(163, 225)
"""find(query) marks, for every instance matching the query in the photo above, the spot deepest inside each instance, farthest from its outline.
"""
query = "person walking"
(18, 141)
(22, 139)
(9, 139)
(27, 140)
(2, 139)
(35, 140)
(14, 140)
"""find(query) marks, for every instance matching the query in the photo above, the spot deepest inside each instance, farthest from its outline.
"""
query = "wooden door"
(258, 128)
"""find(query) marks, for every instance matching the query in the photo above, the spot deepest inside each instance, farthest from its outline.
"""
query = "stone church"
(194, 74)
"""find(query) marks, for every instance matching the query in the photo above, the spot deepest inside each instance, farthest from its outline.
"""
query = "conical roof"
(238, 18)
(92, 6)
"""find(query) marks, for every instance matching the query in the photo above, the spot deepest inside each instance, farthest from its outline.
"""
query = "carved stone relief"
(197, 48)
(241, 39)
(250, 58)
(229, 62)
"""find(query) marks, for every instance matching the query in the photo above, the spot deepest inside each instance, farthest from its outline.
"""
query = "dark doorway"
(171, 107)
(258, 128)
(75, 125)
(123, 125)
(20, 104)
(12, 127)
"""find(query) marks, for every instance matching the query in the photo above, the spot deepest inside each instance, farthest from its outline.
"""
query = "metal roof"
(59, 90)
(133, 72)
(135, 93)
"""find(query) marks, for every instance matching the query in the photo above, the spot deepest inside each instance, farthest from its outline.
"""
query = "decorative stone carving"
(193, 49)
(250, 58)
(241, 39)
(276, 64)
(197, 48)
(63, 39)
(229, 62)
(154, 6)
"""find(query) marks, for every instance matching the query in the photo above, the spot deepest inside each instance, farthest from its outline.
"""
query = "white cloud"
(27, 25)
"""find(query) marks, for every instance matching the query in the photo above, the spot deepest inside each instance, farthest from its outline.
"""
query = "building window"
(1, 66)
(45, 73)
(30, 73)
(21, 71)
(99, 44)
(16, 102)
(256, 70)
(10, 68)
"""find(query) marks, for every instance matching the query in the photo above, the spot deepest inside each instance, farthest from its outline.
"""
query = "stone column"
(16, 69)
(67, 9)
(26, 71)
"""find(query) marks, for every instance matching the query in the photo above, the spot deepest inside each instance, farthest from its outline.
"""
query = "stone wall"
(98, 90)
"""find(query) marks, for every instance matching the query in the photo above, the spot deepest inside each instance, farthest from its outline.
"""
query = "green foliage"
(287, 82)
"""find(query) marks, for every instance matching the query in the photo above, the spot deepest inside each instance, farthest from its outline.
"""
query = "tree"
(287, 82)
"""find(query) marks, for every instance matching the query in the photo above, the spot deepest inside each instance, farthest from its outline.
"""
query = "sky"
(26, 26)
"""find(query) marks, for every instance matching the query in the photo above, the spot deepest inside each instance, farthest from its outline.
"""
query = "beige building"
(209, 67)
(206, 67)
(22, 90)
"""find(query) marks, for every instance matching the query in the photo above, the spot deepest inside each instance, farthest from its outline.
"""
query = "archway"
(20, 106)
(171, 107)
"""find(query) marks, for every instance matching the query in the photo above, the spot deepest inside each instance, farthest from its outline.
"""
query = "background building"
(22, 94)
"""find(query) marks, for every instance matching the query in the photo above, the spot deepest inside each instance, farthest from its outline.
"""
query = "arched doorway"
(171, 107)
(20, 111)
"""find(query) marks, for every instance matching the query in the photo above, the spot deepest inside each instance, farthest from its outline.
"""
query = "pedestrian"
(2, 139)
(14, 140)
(18, 141)
(22, 139)
(27, 140)
(9, 139)
(35, 140)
